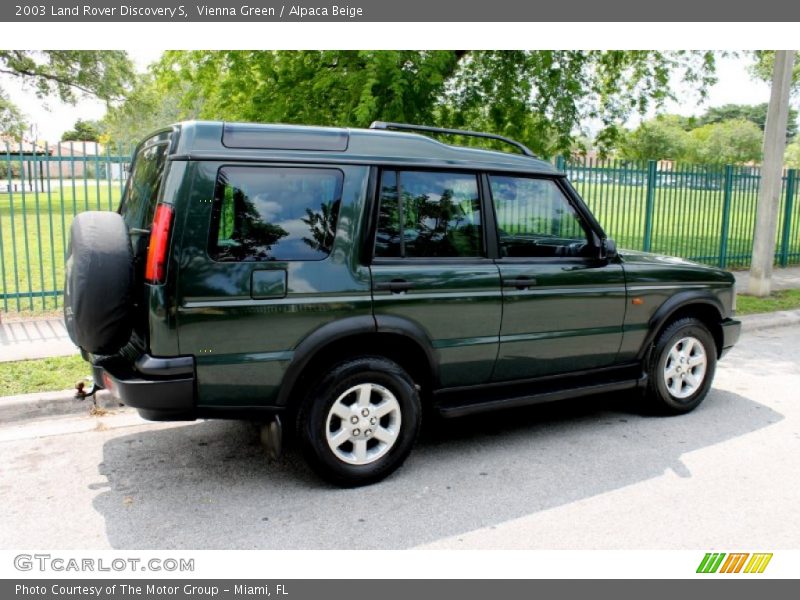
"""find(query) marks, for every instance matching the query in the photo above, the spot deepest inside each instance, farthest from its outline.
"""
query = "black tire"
(658, 393)
(313, 420)
(98, 310)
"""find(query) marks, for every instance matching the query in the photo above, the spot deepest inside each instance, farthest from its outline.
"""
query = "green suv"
(345, 279)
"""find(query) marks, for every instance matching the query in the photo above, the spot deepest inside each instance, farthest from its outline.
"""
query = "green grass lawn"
(780, 300)
(42, 375)
(35, 230)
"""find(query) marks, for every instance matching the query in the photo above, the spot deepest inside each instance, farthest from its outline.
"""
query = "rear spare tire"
(98, 310)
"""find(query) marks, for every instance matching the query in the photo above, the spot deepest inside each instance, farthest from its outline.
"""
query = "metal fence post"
(561, 162)
(650, 204)
(726, 216)
(791, 177)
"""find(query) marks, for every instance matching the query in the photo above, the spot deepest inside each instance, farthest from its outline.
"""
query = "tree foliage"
(792, 156)
(83, 131)
(765, 64)
(756, 113)
(65, 73)
(678, 138)
(147, 107)
(736, 141)
(12, 121)
(538, 97)
(662, 138)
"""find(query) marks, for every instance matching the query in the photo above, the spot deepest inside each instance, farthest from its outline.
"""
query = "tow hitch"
(81, 392)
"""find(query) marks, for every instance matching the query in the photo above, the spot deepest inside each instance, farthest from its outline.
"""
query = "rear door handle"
(396, 286)
(521, 283)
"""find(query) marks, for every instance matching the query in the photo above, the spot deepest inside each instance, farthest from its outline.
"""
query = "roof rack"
(407, 127)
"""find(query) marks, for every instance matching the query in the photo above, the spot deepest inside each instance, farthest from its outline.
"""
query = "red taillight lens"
(156, 268)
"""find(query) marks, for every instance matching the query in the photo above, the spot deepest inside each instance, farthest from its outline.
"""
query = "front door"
(563, 308)
(431, 273)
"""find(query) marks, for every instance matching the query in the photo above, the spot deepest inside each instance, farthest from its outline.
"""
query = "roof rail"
(407, 127)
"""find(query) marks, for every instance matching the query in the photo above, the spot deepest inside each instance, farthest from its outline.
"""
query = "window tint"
(534, 218)
(429, 214)
(264, 213)
(139, 204)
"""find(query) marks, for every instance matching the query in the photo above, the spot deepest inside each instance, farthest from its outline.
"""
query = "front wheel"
(681, 366)
(359, 423)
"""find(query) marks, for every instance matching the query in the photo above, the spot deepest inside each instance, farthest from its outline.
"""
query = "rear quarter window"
(139, 204)
(274, 213)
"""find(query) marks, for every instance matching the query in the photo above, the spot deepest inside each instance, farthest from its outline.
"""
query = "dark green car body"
(242, 338)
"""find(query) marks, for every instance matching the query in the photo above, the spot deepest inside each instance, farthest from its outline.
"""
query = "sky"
(51, 117)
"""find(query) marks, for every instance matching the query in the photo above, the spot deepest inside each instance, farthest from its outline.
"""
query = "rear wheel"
(359, 423)
(681, 366)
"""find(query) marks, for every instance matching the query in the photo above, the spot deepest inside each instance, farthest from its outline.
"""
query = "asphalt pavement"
(594, 473)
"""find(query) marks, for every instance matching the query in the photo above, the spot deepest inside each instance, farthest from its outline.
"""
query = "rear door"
(265, 261)
(431, 271)
(563, 308)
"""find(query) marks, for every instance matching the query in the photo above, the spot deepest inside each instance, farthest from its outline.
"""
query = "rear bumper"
(731, 329)
(161, 389)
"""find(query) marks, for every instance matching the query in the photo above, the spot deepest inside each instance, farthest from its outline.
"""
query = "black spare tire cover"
(98, 310)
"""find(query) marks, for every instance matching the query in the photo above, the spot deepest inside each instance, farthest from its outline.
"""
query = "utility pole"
(771, 175)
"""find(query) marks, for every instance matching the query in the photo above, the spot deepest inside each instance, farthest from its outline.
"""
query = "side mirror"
(608, 249)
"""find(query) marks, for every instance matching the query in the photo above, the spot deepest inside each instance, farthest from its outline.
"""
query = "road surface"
(588, 474)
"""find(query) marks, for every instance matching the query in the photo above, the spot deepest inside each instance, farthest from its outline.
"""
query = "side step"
(452, 403)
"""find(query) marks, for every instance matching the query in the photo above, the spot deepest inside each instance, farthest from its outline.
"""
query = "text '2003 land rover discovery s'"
(345, 278)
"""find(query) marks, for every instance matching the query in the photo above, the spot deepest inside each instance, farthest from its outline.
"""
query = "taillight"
(156, 268)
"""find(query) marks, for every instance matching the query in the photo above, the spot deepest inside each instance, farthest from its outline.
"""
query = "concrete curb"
(53, 404)
(41, 405)
(771, 320)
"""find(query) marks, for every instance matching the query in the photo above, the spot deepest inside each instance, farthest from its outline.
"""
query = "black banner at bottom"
(398, 589)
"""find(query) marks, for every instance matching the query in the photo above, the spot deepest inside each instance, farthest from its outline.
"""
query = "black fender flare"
(414, 331)
(341, 329)
(673, 304)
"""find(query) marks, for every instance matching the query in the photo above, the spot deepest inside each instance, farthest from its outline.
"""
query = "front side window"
(271, 213)
(535, 219)
(426, 214)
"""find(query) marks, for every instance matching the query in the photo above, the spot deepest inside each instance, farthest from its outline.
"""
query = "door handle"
(395, 286)
(521, 283)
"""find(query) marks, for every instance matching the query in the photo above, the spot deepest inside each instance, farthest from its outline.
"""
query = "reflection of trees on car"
(438, 227)
(322, 226)
(244, 235)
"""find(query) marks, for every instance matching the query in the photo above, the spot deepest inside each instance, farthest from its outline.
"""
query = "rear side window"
(139, 203)
(274, 213)
(433, 214)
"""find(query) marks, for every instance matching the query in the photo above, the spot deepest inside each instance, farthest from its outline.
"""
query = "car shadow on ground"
(209, 484)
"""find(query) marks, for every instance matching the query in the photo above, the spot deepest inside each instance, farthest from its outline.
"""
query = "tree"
(756, 113)
(765, 64)
(769, 190)
(65, 73)
(661, 138)
(538, 97)
(147, 107)
(83, 131)
(792, 155)
(12, 121)
(728, 142)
